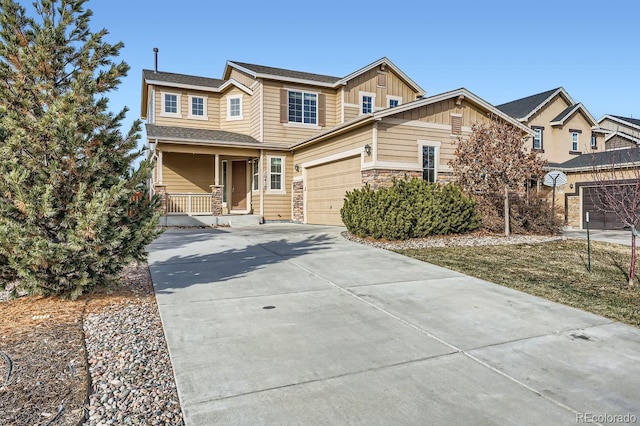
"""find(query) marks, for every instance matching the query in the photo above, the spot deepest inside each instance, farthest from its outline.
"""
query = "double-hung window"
(171, 104)
(198, 107)
(367, 102)
(303, 107)
(276, 174)
(537, 138)
(234, 107)
(594, 141)
(429, 163)
(574, 141)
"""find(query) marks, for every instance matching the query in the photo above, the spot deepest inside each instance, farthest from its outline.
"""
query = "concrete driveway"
(291, 324)
(608, 236)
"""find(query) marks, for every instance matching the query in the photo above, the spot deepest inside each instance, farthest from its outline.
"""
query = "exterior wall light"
(296, 167)
(367, 149)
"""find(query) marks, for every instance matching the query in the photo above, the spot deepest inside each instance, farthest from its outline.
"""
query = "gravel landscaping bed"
(453, 240)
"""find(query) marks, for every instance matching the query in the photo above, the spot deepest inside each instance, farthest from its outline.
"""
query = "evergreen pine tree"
(73, 209)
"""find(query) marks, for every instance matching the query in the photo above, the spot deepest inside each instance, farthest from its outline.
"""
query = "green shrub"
(409, 209)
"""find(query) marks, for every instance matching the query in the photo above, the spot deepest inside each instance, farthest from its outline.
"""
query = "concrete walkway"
(616, 237)
(291, 324)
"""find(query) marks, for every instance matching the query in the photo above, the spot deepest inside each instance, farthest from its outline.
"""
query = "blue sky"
(500, 50)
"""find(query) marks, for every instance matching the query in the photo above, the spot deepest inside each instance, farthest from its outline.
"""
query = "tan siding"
(241, 77)
(350, 113)
(254, 113)
(213, 110)
(355, 139)
(167, 146)
(187, 172)
(238, 126)
(368, 82)
(278, 206)
(277, 132)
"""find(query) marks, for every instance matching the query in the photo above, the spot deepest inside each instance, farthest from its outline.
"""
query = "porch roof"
(203, 137)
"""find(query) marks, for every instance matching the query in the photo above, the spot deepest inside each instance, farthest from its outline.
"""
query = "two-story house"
(286, 145)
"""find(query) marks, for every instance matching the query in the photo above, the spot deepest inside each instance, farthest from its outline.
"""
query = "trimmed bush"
(409, 209)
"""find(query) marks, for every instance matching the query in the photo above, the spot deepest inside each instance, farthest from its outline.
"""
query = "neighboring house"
(287, 145)
(563, 128)
(581, 191)
(623, 132)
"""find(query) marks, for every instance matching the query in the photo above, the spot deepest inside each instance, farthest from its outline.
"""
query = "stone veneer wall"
(216, 200)
(384, 178)
(573, 212)
(161, 190)
(297, 201)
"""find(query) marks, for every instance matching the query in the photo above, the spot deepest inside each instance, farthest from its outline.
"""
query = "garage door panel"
(599, 218)
(326, 188)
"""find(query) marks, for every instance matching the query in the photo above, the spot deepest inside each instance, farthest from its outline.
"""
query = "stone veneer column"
(297, 201)
(161, 190)
(216, 199)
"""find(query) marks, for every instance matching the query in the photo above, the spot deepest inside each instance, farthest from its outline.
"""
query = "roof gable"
(384, 61)
(561, 118)
(627, 121)
(523, 108)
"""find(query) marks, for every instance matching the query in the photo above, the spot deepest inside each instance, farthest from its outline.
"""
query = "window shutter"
(456, 125)
(382, 79)
(284, 105)
(322, 113)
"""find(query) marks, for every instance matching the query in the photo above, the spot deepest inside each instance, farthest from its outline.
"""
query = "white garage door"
(326, 187)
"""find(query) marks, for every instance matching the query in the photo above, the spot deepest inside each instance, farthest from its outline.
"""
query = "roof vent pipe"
(155, 52)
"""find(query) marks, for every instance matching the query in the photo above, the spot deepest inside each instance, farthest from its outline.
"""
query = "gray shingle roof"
(520, 108)
(563, 114)
(261, 69)
(169, 77)
(629, 119)
(201, 135)
(606, 158)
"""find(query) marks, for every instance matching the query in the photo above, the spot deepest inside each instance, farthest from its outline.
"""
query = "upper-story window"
(367, 102)
(594, 141)
(537, 137)
(575, 141)
(197, 107)
(303, 107)
(234, 107)
(171, 104)
(394, 101)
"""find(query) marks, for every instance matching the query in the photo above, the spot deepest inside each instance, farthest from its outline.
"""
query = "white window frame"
(255, 173)
(537, 133)
(373, 102)
(575, 141)
(393, 98)
(594, 141)
(436, 145)
(234, 117)
(282, 189)
(163, 112)
(204, 108)
(303, 93)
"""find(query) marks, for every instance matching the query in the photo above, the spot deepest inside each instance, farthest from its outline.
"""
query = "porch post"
(216, 170)
(216, 200)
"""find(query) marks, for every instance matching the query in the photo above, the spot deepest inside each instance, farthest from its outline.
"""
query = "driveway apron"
(292, 324)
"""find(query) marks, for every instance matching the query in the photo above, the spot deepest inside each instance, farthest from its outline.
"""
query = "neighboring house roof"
(282, 74)
(461, 93)
(202, 136)
(599, 160)
(623, 135)
(569, 111)
(524, 108)
(627, 121)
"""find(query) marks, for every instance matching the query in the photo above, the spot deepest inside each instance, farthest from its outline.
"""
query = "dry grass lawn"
(556, 271)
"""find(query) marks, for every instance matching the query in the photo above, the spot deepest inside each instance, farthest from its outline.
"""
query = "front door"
(239, 185)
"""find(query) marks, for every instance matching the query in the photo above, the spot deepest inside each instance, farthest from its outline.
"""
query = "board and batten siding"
(213, 109)
(276, 132)
(277, 206)
(368, 82)
(184, 173)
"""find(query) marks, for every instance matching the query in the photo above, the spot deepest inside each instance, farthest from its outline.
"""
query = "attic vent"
(382, 79)
(456, 124)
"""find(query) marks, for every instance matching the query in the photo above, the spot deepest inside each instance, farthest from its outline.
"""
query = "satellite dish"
(555, 178)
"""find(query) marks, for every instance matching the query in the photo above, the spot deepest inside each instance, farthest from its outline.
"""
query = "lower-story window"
(256, 174)
(429, 163)
(276, 174)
